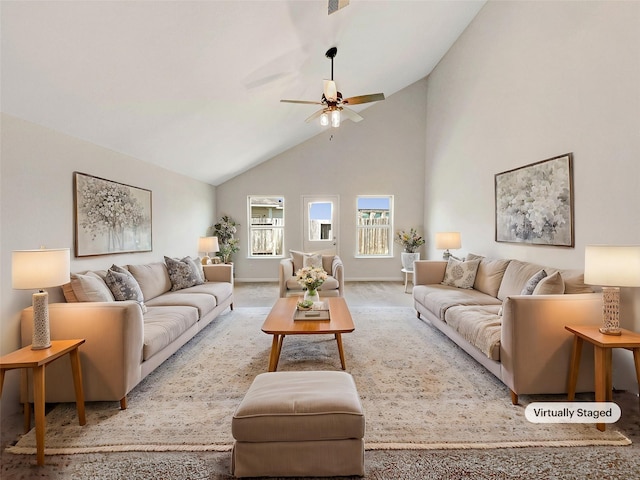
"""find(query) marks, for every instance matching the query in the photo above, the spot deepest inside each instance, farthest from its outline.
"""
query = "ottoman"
(299, 424)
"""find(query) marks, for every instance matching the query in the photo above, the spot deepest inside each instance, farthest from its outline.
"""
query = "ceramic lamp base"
(41, 338)
(610, 311)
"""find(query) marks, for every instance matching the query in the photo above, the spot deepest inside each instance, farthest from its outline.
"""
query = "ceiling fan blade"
(351, 115)
(374, 97)
(330, 90)
(315, 115)
(306, 102)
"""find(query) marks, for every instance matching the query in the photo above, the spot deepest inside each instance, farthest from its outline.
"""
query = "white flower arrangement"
(311, 277)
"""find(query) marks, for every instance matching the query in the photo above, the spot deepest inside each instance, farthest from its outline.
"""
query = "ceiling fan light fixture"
(324, 119)
(335, 118)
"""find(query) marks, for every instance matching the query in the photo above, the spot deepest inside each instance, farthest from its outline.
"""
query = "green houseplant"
(225, 230)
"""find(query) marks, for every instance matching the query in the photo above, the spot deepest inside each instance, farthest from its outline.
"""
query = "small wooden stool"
(299, 424)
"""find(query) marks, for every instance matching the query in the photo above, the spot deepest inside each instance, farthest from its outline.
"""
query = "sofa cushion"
(438, 298)
(220, 290)
(532, 283)
(163, 325)
(124, 286)
(479, 325)
(90, 287)
(204, 302)
(153, 279)
(329, 284)
(551, 285)
(574, 282)
(516, 276)
(181, 274)
(489, 275)
(460, 274)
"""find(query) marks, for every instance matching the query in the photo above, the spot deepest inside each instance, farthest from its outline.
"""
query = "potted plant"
(225, 230)
(411, 242)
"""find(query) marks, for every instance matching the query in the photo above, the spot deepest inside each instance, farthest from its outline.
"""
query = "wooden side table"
(38, 360)
(602, 347)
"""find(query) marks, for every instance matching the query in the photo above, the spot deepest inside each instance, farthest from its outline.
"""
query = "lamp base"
(606, 331)
(206, 260)
(41, 338)
(610, 311)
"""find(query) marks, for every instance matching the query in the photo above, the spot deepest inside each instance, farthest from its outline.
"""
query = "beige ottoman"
(299, 424)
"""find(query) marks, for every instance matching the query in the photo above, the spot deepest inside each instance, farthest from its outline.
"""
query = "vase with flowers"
(311, 278)
(411, 242)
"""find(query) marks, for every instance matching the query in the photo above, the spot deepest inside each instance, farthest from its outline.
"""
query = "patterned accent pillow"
(532, 283)
(196, 266)
(312, 260)
(181, 274)
(460, 274)
(124, 286)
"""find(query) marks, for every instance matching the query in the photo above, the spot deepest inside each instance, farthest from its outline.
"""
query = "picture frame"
(534, 203)
(110, 217)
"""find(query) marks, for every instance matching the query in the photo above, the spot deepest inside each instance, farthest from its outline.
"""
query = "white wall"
(525, 82)
(37, 209)
(381, 155)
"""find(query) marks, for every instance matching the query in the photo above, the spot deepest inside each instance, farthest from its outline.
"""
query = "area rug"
(418, 389)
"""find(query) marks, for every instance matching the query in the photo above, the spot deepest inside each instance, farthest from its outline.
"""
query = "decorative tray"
(318, 311)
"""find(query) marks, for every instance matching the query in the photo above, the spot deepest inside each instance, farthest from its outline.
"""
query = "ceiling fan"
(333, 103)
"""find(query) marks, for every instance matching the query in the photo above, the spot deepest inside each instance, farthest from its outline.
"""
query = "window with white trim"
(374, 226)
(266, 226)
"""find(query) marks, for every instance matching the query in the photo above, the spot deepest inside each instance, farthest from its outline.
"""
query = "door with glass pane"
(320, 223)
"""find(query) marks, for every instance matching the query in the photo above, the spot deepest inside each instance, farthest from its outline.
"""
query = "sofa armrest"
(285, 271)
(535, 349)
(111, 356)
(337, 272)
(219, 272)
(428, 272)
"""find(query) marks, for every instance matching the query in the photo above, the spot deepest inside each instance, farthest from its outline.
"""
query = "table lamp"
(612, 267)
(447, 240)
(208, 245)
(37, 270)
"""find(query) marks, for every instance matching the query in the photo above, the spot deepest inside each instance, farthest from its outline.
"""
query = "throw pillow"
(181, 274)
(312, 260)
(90, 287)
(460, 274)
(196, 266)
(532, 283)
(123, 286)
(551, 285)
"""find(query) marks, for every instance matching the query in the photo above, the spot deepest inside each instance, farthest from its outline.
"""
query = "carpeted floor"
(539, 462)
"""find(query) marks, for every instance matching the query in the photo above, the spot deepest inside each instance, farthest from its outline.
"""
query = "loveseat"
(510, 316)
(333, 286)
(127, 339)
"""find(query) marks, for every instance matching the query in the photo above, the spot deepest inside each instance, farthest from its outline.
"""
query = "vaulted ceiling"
(195, 86)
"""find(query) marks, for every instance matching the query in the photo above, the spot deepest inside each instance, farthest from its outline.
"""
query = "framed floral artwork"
(534, 203)
(110, 217)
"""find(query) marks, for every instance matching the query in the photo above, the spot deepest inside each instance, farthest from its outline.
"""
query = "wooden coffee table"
(280, 323)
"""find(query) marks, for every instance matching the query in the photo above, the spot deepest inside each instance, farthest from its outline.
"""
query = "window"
(320, 221)
(266, 226)
(374, 226)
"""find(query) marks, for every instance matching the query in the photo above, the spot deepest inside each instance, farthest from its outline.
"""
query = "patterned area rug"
(419, 391)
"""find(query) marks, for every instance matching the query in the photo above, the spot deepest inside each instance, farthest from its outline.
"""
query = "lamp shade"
(208, 244)
(612, 265)
(36, 269)
(447, 240)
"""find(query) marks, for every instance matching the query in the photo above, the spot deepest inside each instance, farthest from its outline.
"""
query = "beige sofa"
(126, 341)
(519, 338)
(332, 264)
